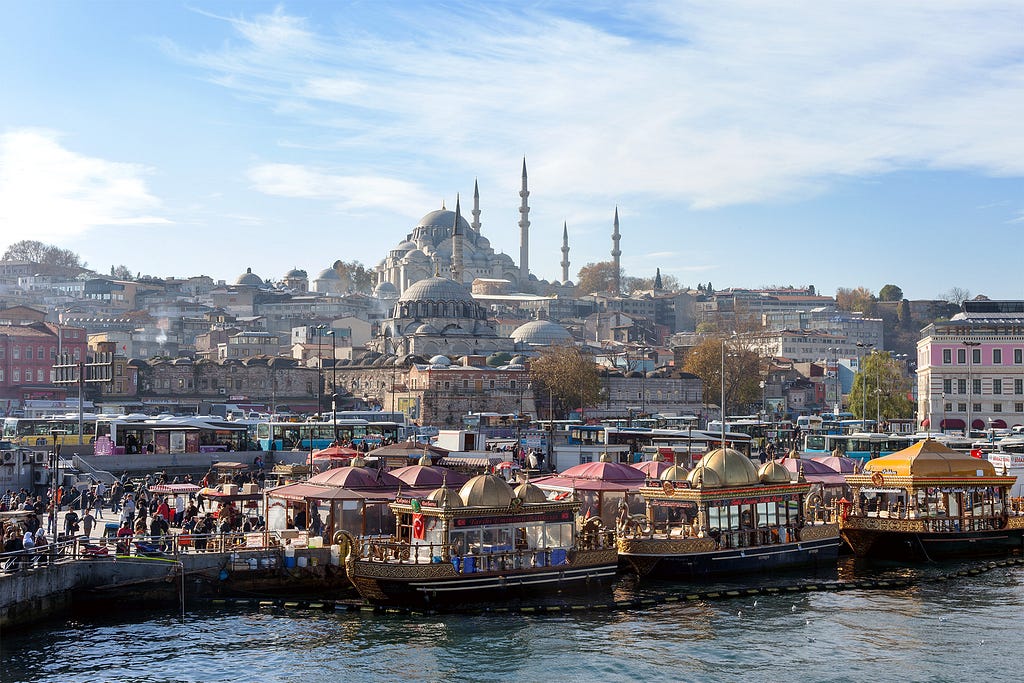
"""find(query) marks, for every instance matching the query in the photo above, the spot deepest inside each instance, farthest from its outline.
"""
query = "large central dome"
(443, 218)
(436, 289)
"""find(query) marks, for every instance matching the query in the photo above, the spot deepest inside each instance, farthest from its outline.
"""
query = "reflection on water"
(932, 631)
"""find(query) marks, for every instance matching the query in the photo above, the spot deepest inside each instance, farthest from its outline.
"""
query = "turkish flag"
(975, 452)
(419, 531)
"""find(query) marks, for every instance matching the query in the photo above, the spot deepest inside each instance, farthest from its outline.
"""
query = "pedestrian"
(71, 523)
(97, 505)
(88, 522)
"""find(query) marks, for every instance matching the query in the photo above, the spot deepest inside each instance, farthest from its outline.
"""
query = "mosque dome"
(773, 473)
(249, 278)
(530, 493)
(486, 490)
(407, 245)
(437, 288)
(443, 218)
(385, 290)
(441, 360)
(328, 274)
(732, 467)
(541, 333)
(295, 273)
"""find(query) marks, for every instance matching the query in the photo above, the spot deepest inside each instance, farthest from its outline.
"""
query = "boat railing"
(400, 552)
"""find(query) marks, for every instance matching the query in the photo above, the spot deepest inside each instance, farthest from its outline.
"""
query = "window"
(512, 384)
(39, 375)
(28, 353)
(961, 407)
(948, 407)
(1018, 386)
(997, 356)
(947, 356)
(997, 386)
(947, 386)
(1017, 407)
(961, 386)
(976, 386)
(40, 353)
(997, 407)
(976, 408)
(16, 375)
(976, 356)
(16, 352)
(1018, 356)
(961, 356)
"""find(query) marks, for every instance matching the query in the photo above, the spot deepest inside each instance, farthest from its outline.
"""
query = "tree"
(39, 253)
(890, 293)
(743, 370)
(881, 387)
(858, 299)
(120, 273)
(568, 376)
(597, 277)
(355, 273)
(956, 296)
(668, 282)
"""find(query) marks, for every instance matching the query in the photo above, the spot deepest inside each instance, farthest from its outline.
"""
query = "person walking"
(88, 522)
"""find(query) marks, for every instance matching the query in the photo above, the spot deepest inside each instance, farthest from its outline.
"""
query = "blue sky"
(745, 143)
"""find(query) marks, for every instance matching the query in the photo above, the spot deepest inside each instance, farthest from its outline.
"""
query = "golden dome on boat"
(732, 467)
(675, 473)
(530, 493)
(606, 457)
(486, 490)
(358, 461)
(658, 457)
(701, 477)
(424, 461)
(773, 473)
(446, 497)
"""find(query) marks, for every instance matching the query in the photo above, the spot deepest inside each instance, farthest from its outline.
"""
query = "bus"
(305, 436)
(43, 431)
(390, 416)
(861, 446)
(637, 438)
(132, 434)
(496, 425)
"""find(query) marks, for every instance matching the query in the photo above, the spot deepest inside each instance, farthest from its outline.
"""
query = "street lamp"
(970, 382)
(319, 387)
(942, 425)
(864, 387)
(334, 382)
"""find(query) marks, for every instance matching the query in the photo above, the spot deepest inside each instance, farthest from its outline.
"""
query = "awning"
(952, 423)
(302, 492)
(557, 483)
(471, 461)
(977, 424)
(997, 424)
(174, 489)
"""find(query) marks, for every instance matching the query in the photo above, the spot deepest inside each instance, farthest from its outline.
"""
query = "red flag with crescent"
(419, 531)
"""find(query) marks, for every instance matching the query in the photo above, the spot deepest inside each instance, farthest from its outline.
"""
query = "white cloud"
(346, 192)
(707, 103)
(48, 192)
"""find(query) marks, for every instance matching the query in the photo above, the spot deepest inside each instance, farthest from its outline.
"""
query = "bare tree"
(956, 295)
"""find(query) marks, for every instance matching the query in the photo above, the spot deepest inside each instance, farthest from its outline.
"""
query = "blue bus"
(305, 436)
(861, 446)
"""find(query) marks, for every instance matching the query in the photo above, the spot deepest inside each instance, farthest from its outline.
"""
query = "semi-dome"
(486, 490)
(407, 245)
(385, 290)
(732, 467)
(436, 288)
(541, 333)
(773, 473)
(530, 493)
(249, 278)
(426, 328)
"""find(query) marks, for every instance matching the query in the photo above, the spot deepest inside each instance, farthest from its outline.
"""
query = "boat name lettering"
(753, 501)
(564, 516)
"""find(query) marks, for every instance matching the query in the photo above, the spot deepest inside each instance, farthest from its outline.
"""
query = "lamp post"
(942, 425)
(394, 369)
(723, 395)
(970, 382)
(334, 383)
(319, 387)
(864, 387)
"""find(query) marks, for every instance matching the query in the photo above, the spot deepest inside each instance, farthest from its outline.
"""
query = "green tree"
(881, 387)
(568, 375)
(359, 279)
(743, 371)
(597, 277)
(890, 293)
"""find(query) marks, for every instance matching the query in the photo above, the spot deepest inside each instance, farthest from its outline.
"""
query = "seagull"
(809, 639)
(740, 613)
(755, 603)
(793, 608)
(808, 622)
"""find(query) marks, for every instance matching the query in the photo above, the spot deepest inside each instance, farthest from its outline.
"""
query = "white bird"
(793, 608)
(810, 640)
(755, 603)
(740, 613)
(808, 622)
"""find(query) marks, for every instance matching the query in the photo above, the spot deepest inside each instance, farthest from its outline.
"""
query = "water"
(967, 628)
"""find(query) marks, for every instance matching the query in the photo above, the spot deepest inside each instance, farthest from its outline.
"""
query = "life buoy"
(878, 479)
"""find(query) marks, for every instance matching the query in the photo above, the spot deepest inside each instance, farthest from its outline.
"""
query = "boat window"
(558, 535)
(768, 514)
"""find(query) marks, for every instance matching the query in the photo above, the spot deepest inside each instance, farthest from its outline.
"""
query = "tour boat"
(726, 517)
(930, 502)
(484, 542)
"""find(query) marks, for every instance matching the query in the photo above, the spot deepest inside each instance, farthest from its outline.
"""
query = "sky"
(745, 144)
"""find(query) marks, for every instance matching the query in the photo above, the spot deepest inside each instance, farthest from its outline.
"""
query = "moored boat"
(725, 517)
(929, 502)
(485, 542)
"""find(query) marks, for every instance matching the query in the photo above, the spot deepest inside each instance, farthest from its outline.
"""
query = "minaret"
(476, 207)
(457, 244)
(565, 252)
(524, 236)
(616, 253)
